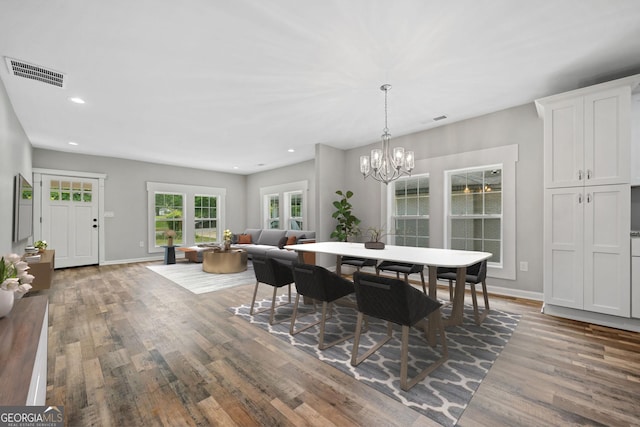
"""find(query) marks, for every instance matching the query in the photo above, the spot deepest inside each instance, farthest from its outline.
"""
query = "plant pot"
(6, 302)
(374, 245)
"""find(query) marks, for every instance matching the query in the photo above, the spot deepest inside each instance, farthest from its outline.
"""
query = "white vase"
(6, 302)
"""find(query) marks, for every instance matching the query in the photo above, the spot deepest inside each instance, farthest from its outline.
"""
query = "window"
(76, 191)
(284, 206)
(194, 212)
(475, 210)
(272, 202)
(294, 211)
(168, 216)
(206, 219)
(410, 212)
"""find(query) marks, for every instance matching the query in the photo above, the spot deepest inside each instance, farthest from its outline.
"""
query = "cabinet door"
(635, 139)
(563, 143)
(563, 247)
(607, 137)
(607, 279)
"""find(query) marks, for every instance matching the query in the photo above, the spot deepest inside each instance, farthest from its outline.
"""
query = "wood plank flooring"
(129, 348)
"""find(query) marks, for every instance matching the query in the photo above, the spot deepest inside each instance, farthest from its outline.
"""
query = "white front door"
(70, 219)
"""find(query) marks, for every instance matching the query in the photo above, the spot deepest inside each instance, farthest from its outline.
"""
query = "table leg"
(458, 298)
(433, 293)
(339, 265)
(170, 255)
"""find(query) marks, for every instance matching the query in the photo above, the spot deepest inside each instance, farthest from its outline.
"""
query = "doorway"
(69, 220)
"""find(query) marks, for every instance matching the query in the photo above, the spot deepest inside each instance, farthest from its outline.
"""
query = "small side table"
(170, 254)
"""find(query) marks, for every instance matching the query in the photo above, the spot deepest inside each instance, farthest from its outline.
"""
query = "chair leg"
(355, 360)
(253, 300)
(479, 317)
(292, 330)
(252, 311)
(424, 287)
(451, 290)
(406, 383)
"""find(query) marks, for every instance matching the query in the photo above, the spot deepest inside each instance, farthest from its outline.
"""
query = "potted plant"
(375, 234)
(227, 235)
(41, 245)
(347, 222)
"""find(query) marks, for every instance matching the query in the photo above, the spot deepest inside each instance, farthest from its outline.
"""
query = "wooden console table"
(43, 270)
(23, 352)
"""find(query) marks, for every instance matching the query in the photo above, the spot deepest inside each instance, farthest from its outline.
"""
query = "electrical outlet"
(524, 266)
(141, 244)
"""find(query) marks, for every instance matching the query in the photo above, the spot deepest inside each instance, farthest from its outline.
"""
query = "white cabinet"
(587, 138)
(586, 240)
(587, 199)
(635, 139)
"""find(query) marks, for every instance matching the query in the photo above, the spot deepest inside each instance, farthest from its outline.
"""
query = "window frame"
(189, 193)
(392, 209)
(288, 217)
(268, 198)
(283, 191)
(448, 207)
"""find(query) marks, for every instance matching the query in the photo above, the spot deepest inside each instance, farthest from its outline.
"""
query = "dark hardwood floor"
(130, 348)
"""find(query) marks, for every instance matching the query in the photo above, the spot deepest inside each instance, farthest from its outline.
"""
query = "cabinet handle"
(588, 173)
(588, 197)
(580, 198)
(580, 175)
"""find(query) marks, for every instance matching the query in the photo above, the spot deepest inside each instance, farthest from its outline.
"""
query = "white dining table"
(432, 258)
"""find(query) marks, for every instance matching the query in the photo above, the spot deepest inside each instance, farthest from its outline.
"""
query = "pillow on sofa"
(244, 239)
(282, 242)
(291, 240)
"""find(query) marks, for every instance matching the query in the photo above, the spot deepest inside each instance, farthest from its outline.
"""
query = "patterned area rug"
(191, 277)
(442, 396)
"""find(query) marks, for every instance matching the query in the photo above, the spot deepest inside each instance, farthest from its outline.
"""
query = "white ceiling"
(214, 84)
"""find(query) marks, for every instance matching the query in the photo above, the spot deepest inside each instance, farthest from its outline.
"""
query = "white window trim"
(390, 206)
(447, 210)
(188, 192)
(265, 208)
(287, 207)
(281, 190)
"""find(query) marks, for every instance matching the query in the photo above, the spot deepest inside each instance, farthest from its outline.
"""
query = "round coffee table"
(223, 262)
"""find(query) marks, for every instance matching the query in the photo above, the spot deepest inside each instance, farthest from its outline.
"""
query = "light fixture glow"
(73, 143)
(291, 150)
(77, 100)
(384, 165)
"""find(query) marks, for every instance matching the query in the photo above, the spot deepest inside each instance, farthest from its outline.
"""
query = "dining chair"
(358, 263)
(320, 285)
(404, 268)
(273, 273)
(396, 301)
(476, 273)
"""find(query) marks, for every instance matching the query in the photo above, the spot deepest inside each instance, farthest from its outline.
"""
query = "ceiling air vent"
(35, 72)
(435, 119)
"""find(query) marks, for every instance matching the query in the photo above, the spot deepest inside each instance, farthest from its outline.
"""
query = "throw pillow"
(291, 240)
(282, 242)
(244, 239)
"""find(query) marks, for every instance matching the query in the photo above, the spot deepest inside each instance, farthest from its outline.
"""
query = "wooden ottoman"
(222, 262)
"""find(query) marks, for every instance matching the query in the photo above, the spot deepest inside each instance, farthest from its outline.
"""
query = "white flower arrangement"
(14, 274)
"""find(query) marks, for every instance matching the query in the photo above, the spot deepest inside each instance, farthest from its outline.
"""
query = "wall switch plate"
(524, 266)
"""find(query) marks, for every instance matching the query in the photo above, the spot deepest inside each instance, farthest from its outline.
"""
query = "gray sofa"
(265, 242)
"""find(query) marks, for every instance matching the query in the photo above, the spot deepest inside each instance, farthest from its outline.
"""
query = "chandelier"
(383, 165)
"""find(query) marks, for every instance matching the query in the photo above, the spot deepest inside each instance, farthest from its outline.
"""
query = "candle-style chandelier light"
(382, 166)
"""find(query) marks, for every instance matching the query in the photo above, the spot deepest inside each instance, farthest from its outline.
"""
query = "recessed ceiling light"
(77, 100)
(291, 150)
(235, 167)
(73, 143)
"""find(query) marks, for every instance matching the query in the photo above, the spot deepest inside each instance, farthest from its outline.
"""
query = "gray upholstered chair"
(396, 301)
(273, 273)
(404, 268)
(476, 273)
(321, 285)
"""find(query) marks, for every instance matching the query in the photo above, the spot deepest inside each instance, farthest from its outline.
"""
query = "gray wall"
(300, 172)
(15, 158)
(518, 125)
(126, 195)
